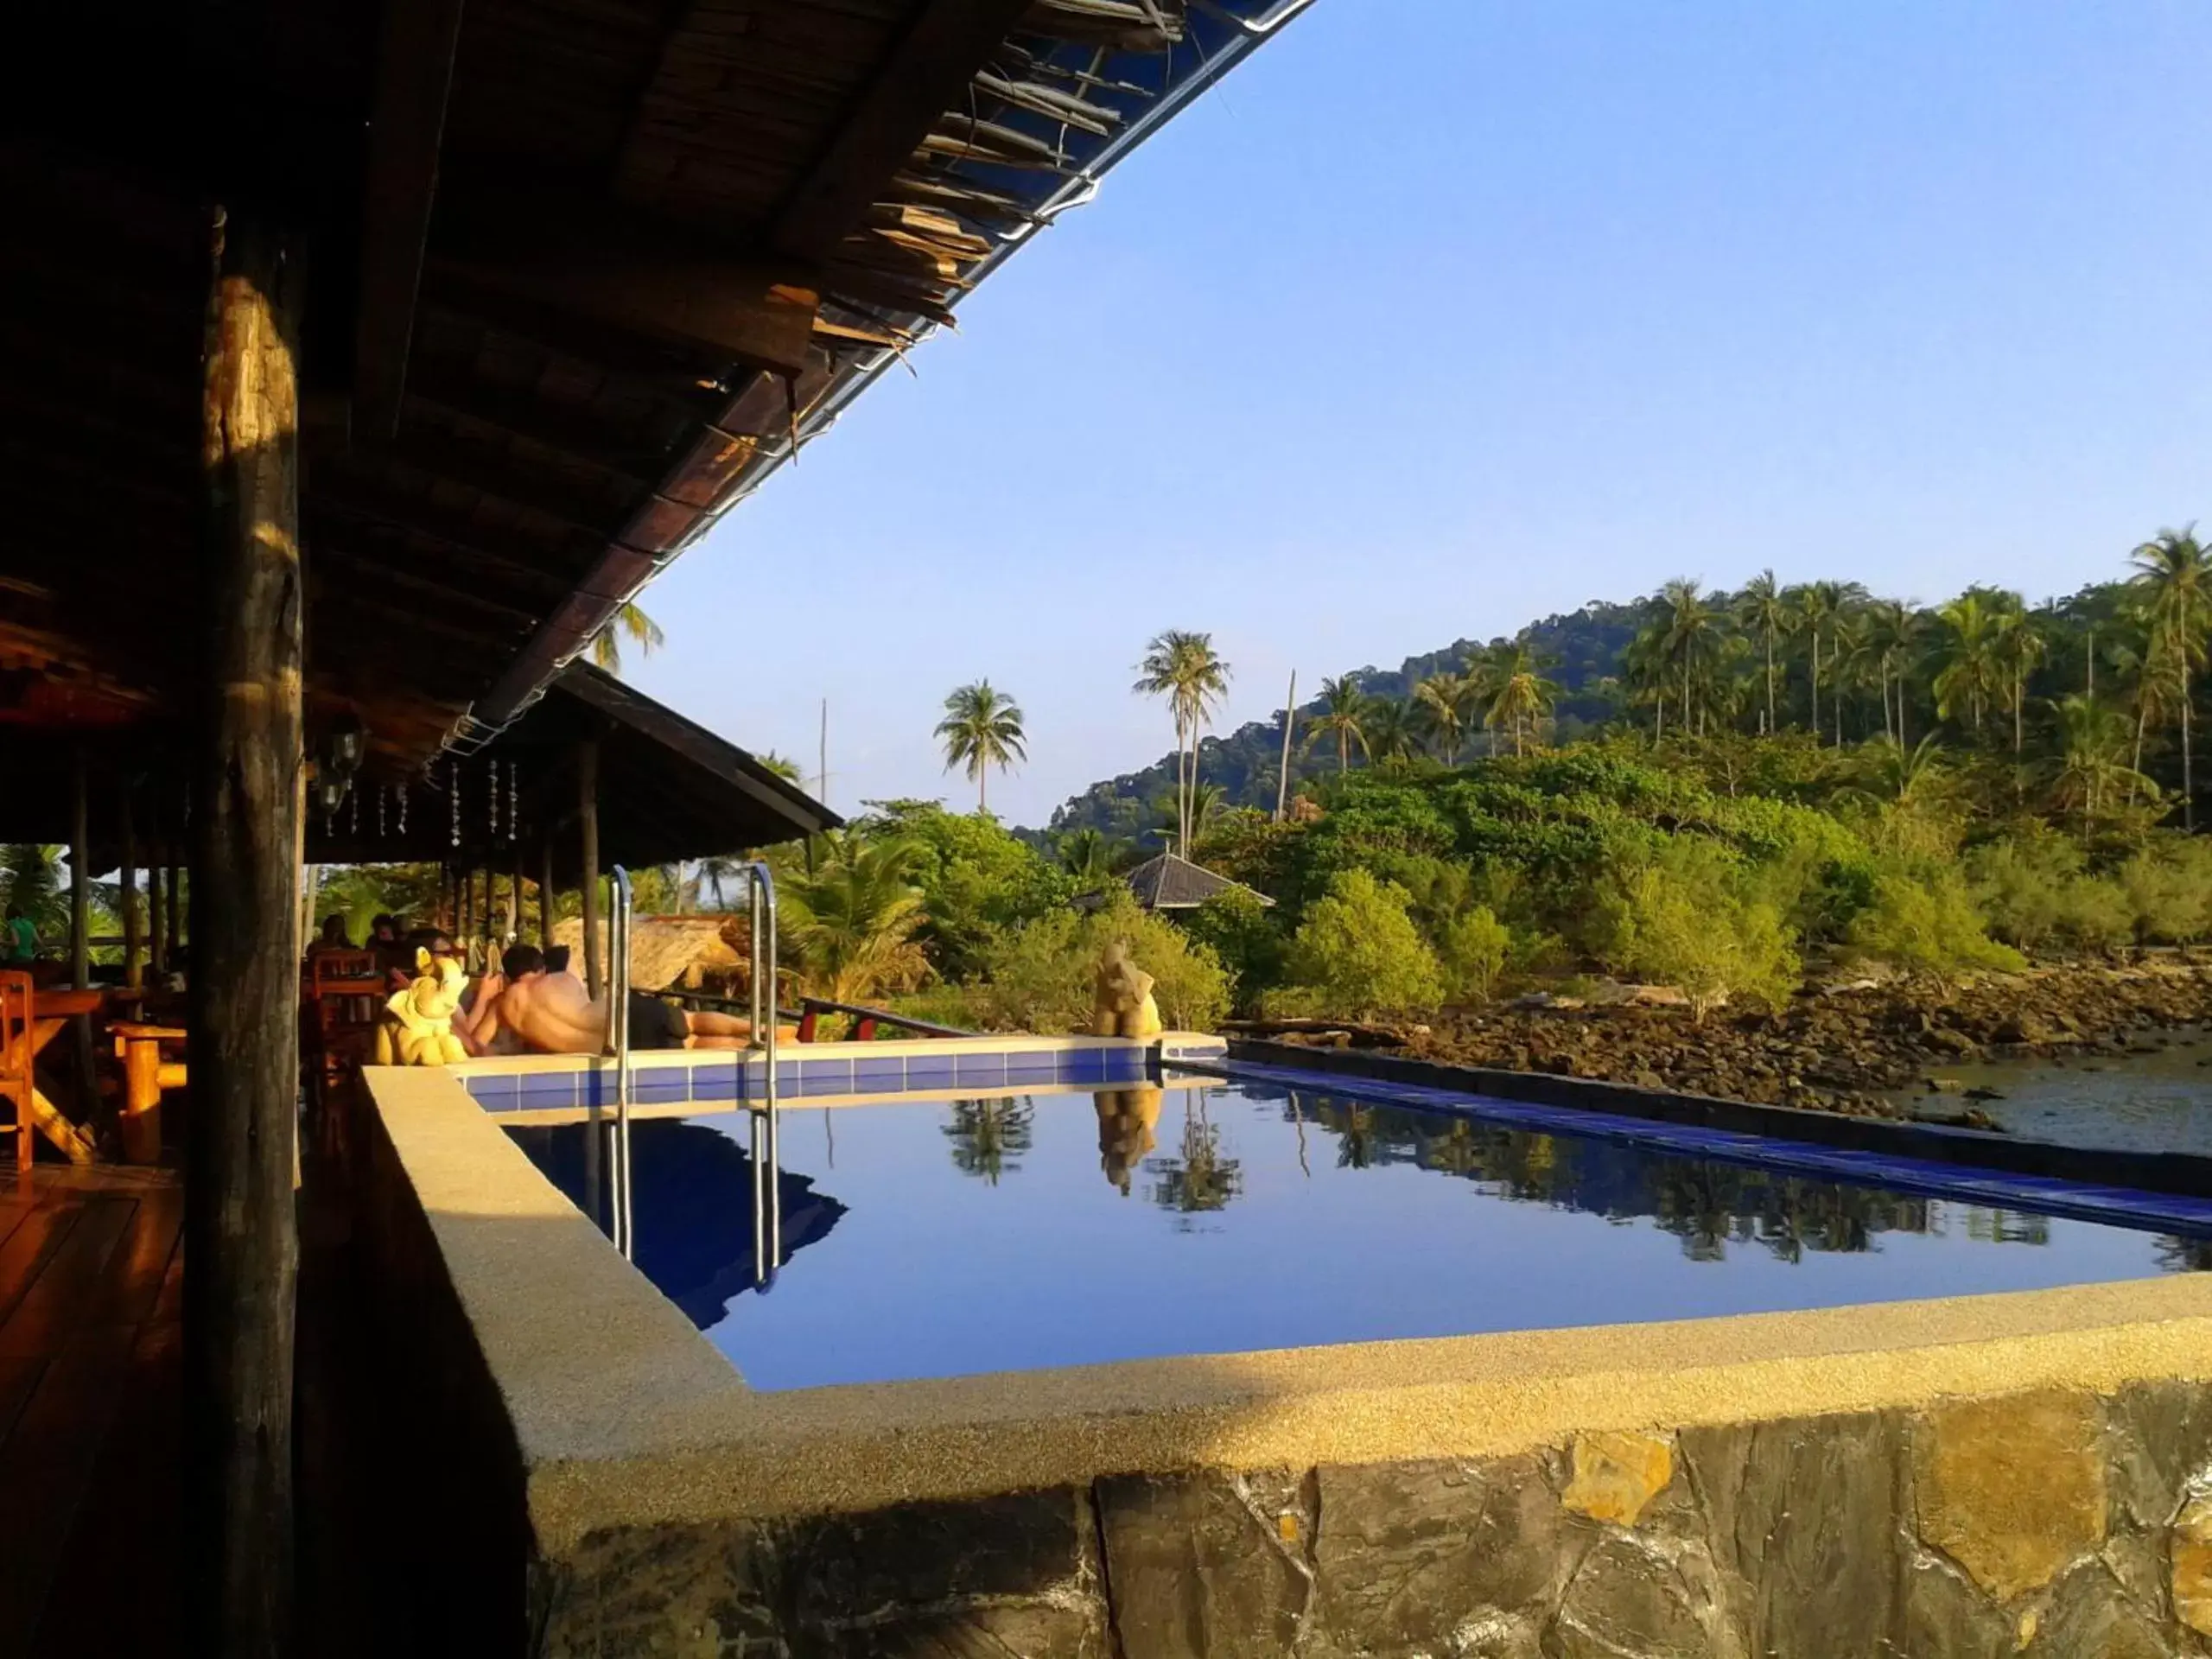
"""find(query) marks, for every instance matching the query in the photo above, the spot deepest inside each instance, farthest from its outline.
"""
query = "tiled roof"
(1171, 883)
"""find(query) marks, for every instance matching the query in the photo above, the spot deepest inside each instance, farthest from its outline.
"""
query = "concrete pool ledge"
(625, 1415)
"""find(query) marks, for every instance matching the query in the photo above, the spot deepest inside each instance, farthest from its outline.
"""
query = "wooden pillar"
(176, 905)
(248, 761)
(514, 896)
(464, 909)
(545, 894)
(157, 931)
(588, 811)
(132, 931)
(81, 874)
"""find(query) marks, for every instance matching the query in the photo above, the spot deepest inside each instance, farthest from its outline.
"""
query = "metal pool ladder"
(764, 1113)
(618, 1036)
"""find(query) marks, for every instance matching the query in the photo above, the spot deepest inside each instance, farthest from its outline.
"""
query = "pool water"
(938, 1239)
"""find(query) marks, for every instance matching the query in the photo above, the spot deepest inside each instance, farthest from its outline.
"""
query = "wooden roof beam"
(525, 564)
(571, 432)
(927, 74)
(637, 275)
(406, 125)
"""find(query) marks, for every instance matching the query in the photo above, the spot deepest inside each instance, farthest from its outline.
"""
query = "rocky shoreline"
(1845, 1049)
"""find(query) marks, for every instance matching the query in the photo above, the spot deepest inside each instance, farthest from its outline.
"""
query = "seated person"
(22, 939)
(477, 1021)
(387, 938)
(332, 937)
(554, 1014)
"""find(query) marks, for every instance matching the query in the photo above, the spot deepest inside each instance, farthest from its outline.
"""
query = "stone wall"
(2052, 1525)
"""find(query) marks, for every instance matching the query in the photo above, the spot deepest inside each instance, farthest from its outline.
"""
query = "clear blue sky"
(1443, 315)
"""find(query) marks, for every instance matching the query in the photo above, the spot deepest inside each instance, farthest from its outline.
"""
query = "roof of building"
(663, 948)
(1171, 883)
(580, 276)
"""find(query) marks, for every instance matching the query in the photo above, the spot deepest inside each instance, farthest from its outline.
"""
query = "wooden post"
(129, 883)
(545, 893)
(157, 916)
(514, 911)
(248, 759)
(80, 876)
(176, 904)
(588, 809)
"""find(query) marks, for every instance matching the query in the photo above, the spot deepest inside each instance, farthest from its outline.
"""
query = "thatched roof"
(664, 950)
(1171, 883)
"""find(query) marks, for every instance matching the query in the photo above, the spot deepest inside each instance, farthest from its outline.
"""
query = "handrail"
(811, 1006)
(618, 1035)
(765, 1116)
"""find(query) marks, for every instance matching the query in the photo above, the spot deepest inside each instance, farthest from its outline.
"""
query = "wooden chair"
(17, 1056)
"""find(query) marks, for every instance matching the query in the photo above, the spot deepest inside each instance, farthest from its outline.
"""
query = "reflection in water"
(1128, 1120)
(1201, 1180)
(692, 1191)
(1709, 1206)
(987, 1135)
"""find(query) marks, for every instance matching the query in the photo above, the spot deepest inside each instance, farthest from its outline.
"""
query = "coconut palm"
(31, 875)
(783, 765)
(982, 728)
(1813, 606)
(1690, 637)
(1524, 696)
(2173, 572)
(1972, 674)
(1184, 668)
(1440, 706)
(849, 924)
(1343, 716)
(2092, 766)
(1392, 729)
(1885, 769)
(1085, 855)
(630, 622)
(988, 1134)
(2020, 645)
(1763, 608)
(1892, 633)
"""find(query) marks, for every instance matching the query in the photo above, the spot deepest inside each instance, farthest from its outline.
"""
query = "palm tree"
(1440, 705)
(982, 728)
(1185, 668)
(2173, 571)
(1763, 608)
(1893, 631)
(2092, 764)
(1393, 730)
(1644, 669)
(629, 620)
(1084, 854)
(1689, 635)
(1814, 608)
(849, 923)
(31, 874)
(1972, 674)
(783, 765)
(1344, 710)
(1524, 695)
(2020, 645)
(987, 1134)
(713, 872)
(1887, 771)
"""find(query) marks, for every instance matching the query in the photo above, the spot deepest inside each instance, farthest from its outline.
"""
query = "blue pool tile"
(979, 1070)
(661, 1085)
(825, 1077)
(1082, 1065)
(880, 1077)
(715, 1080)
(494, 1094)
(547, 1091)
(1031, 1068)
(1123, 1065)
(924, 1075)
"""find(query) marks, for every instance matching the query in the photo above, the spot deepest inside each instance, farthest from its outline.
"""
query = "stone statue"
(1125, 1006)
(417, 1029)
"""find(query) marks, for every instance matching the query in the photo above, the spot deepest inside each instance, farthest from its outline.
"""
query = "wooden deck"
(91, 1362)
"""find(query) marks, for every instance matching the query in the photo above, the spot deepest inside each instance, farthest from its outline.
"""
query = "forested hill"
(1583, 649)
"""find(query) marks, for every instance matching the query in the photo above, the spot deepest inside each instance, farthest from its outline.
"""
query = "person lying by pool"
(553, 1014)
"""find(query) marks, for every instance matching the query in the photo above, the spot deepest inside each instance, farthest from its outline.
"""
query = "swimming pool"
(1008, 1232)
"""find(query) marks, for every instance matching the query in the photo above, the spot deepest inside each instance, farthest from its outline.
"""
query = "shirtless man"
(553, 1014)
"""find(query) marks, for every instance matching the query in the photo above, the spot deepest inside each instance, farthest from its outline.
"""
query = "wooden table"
(145, 1074)
(52, 1012)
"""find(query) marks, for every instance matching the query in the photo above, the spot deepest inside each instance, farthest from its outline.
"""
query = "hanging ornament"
(492, 799)
(452, 789)
(352, 811)
(403, 809)
(513, 797)
(383, 795)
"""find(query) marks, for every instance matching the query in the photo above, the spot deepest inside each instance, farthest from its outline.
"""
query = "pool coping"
(628, 1416)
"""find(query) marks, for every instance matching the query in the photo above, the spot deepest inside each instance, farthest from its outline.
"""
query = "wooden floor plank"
(132, 1283)
(54, 1308)
(48, 1462)
(126, 1525)
(17, 1378)
(23, 1257)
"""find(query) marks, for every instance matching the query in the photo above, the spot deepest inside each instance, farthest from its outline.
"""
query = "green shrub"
(1357, 950)
(2021, 882)
(1042, 975)
(1693, 919)
(1244, 937)
(2167, 891)
(1474, 947)
(1926, 922)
